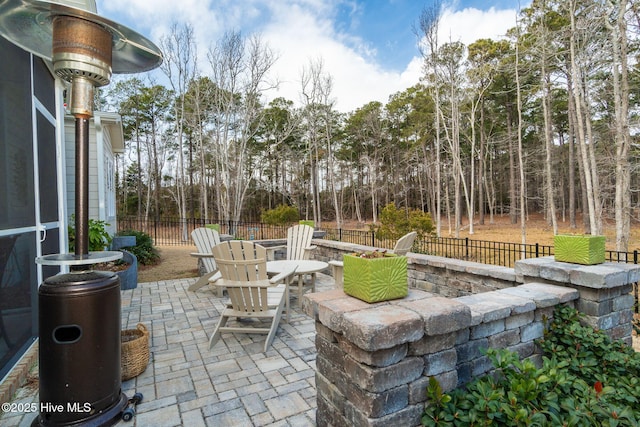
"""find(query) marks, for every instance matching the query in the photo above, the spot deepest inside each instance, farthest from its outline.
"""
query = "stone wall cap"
(557, 271)
(430, 260)
(382, 327)
(599, 276)
(441, 315)
(632, 269)
(495, 305)
(607, 275)
(331, 312)
(539, 290)
(460, 265)
(495, 271)
(531, 266)
(311, 300)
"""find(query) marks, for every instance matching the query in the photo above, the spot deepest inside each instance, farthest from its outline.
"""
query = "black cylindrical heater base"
(79, 355)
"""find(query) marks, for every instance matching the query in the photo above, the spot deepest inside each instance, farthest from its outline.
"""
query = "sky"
(368, 47)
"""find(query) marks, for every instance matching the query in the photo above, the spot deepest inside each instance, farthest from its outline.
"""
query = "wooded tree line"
(543, 120)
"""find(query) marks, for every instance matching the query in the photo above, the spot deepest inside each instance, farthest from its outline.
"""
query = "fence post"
(340, 234)
(373, 238)
(466, 248)
(537, 250)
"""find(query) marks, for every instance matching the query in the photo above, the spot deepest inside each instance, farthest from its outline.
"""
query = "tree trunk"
(523, 224)
(581, 119)
(481, 166)
(622, 136)
(513, 208)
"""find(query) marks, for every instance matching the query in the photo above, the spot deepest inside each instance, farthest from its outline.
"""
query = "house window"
(110, 186)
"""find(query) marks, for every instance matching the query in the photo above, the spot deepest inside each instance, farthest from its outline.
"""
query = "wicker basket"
(134, 351)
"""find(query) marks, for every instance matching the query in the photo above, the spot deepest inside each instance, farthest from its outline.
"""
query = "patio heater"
(79, 312)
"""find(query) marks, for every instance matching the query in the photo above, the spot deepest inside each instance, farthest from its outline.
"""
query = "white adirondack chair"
(243, 271)
(298, 247)
(404, 244)
(298, 243)
(205, 239)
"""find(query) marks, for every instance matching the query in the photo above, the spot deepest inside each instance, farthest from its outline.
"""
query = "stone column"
(366, 371)
(605, 290)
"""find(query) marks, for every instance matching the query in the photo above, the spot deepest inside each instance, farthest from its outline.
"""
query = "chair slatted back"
(298, 238)
(205, 239)
(243, 266)
(405, 243)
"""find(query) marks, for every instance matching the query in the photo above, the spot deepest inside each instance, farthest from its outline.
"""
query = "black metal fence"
(177, 231)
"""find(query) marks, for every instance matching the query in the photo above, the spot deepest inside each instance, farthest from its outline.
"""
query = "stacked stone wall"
(445, 276)
(374, 360)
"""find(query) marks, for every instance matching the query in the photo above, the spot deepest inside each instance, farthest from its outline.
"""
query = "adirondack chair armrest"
(217, 276)
(311, 248)
(271, 251)
(201, 255)
(280, 277)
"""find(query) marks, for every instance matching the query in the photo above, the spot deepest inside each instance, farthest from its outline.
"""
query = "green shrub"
(395, 223)
(282, 215)
(586, 380)
(144, 250)
(99, 239)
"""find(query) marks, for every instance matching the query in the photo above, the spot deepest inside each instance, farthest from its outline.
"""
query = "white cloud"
(470, 24)
(300, 31)
(300, 37)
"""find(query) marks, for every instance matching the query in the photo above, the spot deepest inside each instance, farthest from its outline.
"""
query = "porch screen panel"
(18, 239)
(43, 84)
(47, 170)
(17, 204)
(18, 297)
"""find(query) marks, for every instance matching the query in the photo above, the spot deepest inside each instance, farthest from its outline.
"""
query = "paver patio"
(233, 384)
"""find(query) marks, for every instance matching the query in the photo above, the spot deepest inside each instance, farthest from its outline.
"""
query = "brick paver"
(233, 384)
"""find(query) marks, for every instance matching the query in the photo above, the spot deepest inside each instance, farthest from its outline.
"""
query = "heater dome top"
(29, 24)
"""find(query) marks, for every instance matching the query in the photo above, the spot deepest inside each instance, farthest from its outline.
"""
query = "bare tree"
(318, 109)
(583, 123)
(450, 58)
(239, 70)
(180, 59)
(280, 127)
(618, 35)
(545, 77)
(523, 225)
(427, 31)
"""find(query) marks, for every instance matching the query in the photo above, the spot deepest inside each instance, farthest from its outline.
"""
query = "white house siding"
(105, 131)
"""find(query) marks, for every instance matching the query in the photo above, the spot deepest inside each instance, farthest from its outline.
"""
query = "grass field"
(501, 230)
(537, 231)
(177, 263)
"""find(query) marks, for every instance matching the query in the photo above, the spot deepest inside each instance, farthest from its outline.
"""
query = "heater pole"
(82, 187)
(81, 105)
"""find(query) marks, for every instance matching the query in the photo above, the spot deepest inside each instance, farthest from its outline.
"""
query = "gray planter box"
(129, 277)
(120, 242)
